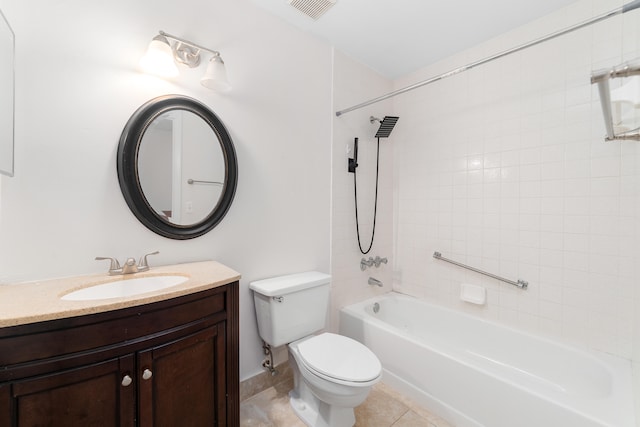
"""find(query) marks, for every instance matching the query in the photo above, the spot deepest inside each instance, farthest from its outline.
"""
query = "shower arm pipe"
(623, 9)
(522, 284)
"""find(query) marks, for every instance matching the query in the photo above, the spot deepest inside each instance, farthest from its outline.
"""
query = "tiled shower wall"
(354, 83)
(504, 168)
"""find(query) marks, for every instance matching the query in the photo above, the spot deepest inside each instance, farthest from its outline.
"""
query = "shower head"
(386, 125)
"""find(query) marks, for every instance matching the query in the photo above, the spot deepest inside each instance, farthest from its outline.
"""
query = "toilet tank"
(291, 307)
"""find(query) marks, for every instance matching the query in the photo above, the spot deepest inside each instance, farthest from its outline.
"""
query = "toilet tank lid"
(282, 285)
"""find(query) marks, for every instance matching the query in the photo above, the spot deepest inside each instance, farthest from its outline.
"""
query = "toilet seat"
(339, 359)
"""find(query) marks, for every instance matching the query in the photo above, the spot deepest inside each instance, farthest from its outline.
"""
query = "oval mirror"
(177, 167)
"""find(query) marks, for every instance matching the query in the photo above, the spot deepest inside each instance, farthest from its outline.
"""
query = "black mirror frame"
(127, 165)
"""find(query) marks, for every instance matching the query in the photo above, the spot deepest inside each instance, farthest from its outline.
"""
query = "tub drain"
(376, 307)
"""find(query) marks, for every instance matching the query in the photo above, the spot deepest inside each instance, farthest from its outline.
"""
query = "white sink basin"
(125, 288)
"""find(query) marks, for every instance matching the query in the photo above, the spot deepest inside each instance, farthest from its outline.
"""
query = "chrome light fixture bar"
(627, 94)
(162, 56)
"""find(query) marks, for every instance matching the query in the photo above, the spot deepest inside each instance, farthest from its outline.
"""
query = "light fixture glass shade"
(159, 58)
(215, 77)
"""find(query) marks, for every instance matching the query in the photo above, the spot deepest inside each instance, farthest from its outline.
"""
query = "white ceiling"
(396, 37)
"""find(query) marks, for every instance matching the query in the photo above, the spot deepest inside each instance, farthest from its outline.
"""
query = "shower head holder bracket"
(353, 164)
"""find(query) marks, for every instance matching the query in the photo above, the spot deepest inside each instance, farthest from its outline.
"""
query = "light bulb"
(159, 58)
(215, 77)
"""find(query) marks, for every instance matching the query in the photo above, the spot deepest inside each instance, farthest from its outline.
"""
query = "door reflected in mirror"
(181, 167)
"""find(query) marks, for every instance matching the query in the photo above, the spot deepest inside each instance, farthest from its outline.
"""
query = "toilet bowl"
(332, 375)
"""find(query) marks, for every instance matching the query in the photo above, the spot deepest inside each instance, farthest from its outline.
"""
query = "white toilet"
(332, 374)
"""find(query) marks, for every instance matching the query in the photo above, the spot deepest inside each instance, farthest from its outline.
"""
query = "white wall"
(504, 167)
(78, 83)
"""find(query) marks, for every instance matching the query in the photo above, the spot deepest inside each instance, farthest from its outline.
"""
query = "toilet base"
(320, 402)
(316, 413)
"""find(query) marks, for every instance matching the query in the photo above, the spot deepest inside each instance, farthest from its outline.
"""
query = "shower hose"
(375, 205)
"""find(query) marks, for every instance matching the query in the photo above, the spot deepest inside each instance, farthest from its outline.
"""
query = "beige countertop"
(38, 301)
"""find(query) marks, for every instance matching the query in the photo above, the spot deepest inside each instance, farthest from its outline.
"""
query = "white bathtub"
(475, 373)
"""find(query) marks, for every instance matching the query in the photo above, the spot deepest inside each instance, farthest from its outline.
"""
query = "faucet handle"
(115, 265)
(379, 261)
(142, 264)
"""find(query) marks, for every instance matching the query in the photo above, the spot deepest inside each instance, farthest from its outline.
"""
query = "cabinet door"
(93, 395)
(5, 405)
(183, 383)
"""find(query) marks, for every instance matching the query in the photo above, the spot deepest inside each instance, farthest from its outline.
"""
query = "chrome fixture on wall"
(364, 263)
(162, 56)
(621, 106)
(199, 181)
(374, 282)
(522, 284)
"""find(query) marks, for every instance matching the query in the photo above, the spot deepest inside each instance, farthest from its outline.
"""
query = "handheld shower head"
(386, 125)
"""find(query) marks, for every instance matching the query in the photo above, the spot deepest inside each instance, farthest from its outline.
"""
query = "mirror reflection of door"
(155, 165)
(181, 167)
(203, 164)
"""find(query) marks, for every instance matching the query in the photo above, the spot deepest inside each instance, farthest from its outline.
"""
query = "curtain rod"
(623, 9)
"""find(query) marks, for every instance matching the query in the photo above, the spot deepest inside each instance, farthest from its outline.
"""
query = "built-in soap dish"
(473, 294)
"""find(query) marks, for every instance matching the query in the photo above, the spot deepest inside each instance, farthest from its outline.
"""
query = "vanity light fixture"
(166, 50)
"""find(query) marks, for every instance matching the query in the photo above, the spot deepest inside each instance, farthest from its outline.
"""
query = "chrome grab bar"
(522, 284)
(198, 181)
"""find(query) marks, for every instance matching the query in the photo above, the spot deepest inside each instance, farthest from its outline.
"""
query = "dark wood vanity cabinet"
(169, 363)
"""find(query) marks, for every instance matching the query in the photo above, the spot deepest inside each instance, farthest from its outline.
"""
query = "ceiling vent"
(312, 8)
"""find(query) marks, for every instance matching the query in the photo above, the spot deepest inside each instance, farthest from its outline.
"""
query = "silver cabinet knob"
(126, 380)
(146, 374)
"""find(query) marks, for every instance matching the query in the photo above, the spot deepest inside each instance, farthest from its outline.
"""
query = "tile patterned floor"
(384, 407)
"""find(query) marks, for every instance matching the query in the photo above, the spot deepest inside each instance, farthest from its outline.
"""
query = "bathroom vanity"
(166, 358)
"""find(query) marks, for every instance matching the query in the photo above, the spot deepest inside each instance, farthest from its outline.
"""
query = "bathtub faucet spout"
(374, 281)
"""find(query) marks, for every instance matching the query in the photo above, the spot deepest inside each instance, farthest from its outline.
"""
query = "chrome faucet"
(130, 266)
(374, 281)
(364, 263)
(379, 260)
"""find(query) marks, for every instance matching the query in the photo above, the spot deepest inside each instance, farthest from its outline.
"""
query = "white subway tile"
(576, 224)
(530, 172)
(552, 222)
(527, 188)
(605, 166)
